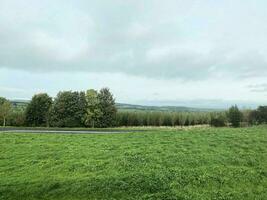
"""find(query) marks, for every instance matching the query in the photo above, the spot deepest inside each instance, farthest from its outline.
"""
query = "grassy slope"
(190, 164)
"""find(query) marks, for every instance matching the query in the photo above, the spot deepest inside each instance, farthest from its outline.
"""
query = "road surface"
(15, 130)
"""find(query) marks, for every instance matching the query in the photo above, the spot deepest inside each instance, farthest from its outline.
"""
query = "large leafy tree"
(262, 114)
(5, 109)
(235, 116)
(107, 108)
(37, 110)
(68, 109)
(93, 112)
(258, 116)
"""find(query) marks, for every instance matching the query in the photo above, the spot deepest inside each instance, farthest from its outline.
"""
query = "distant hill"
(22, 104)
(131, 107)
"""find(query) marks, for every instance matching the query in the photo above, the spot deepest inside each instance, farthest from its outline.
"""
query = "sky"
(203, 53)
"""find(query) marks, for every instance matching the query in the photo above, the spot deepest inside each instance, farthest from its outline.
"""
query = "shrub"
(38, 109)
(235, 116)
(16, 119)
(68, 109)
(218, 120)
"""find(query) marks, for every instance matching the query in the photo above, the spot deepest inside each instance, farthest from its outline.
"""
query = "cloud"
(175, 39)
(261, 88)
(8, 89)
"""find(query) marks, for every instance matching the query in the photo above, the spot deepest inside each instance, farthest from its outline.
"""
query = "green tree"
(182, 119)
(5, 109)
(235, 116)
(68, 109)
(218, 119)
(262, 114)
(107, 108)
(37, 110)
(93, 112)
(253, 117)
(16, 118)
(258, 116)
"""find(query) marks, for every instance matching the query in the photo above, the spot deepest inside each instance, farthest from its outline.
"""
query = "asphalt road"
(16, 130)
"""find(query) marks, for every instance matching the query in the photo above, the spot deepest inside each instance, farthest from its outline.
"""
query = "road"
(57, 131)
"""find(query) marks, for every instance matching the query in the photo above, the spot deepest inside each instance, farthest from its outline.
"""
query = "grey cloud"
(258, 87)
(176, 39)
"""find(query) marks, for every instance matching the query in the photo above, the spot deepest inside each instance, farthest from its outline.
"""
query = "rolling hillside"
(131, 107)
(21, 104)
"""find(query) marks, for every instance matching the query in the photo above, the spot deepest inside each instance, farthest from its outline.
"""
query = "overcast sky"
(147, 52)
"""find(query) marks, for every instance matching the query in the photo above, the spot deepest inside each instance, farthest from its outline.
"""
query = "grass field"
(201, 163)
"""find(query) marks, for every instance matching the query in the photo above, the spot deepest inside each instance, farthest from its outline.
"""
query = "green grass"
(202, 163)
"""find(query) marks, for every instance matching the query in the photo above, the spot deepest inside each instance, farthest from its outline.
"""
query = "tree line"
(233, 117)
(68, 109)
(97, 109)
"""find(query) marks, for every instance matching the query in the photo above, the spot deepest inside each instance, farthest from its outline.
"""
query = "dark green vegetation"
(258, 116)
(235, 116)
(97, 109)
(67, 109)
(157, 118)
(36, 111)
(165, 164)
(5, 109)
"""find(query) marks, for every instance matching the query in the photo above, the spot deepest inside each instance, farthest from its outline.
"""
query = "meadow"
(197, 163)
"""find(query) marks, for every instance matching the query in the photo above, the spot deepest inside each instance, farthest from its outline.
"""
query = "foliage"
(68, 109)
(253, 118)
(16, 118)
(95, 109)
(258, 116)
(5, 109)
(142, 118)
(218, 119)
(235, 116)
(93, 112)
(107, 108)
(262, 114)
(77, 109)
(204, 163)
(37, 110)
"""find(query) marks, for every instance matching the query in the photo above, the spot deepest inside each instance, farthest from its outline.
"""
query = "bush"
(38, 109)
(16, 119)
(235, 116)
(68, 109)
(262, 114)
(218, 120)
